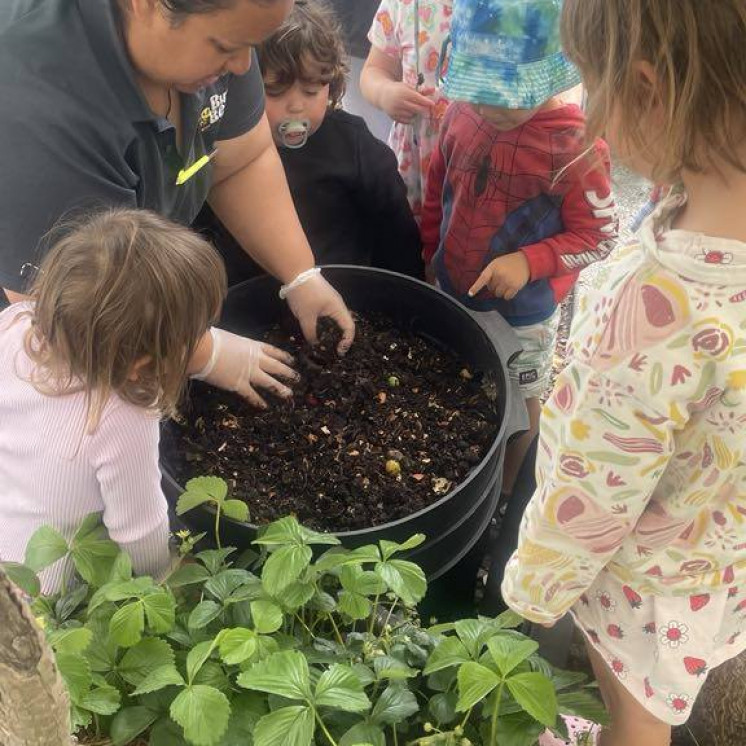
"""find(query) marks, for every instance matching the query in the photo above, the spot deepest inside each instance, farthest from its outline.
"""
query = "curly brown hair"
(307, 47)
(694, 51)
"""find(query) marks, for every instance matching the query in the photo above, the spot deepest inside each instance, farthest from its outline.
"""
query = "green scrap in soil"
(370, 438)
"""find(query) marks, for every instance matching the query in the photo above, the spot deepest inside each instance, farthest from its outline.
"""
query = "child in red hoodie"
(517, 203)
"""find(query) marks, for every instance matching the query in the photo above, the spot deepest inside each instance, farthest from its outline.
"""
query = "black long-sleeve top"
(350, 199)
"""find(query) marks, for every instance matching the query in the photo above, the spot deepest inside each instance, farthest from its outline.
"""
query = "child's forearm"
(373, 82)
(379, 72)
(201, 355)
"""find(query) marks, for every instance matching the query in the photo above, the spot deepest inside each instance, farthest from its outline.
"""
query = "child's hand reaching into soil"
(242, 365)
(504, 276)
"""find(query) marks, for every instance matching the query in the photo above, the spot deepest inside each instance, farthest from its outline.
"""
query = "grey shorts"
(532, 368)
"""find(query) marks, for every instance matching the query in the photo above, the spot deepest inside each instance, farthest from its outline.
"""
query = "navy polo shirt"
(77, 134)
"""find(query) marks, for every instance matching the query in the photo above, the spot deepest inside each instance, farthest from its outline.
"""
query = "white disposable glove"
(242, 365)
(310, 297)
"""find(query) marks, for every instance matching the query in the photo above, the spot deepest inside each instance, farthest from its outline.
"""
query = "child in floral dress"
(638, 524)
(401, 77)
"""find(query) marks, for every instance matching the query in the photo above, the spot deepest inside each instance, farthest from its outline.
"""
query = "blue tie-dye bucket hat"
(507, 53)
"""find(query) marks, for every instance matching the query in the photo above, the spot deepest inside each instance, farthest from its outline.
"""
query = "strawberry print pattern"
(605, 601)
(695, 666)
(668, 657)
(633, 597)
(580, 733)
(698, 602)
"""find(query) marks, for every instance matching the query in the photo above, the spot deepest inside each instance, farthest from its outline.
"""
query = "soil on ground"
(366, 439)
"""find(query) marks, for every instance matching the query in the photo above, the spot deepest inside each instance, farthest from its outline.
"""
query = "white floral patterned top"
(642, 455)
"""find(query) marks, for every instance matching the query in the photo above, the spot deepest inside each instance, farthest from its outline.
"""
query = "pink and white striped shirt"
(52, 472)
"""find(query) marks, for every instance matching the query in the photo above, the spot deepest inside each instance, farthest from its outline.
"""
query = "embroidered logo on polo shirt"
(213, 113)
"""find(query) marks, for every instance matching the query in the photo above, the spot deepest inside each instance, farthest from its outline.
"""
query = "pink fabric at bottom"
(582, 733)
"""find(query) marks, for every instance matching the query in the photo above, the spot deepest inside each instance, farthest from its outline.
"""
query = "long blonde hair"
(695, 51)
(121, 302)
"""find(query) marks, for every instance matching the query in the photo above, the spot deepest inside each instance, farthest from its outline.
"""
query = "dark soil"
(366, 439)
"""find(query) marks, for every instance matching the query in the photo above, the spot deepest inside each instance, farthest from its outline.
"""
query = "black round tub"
(455, 523)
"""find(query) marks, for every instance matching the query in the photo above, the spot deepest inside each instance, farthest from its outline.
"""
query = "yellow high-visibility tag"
(186, 173)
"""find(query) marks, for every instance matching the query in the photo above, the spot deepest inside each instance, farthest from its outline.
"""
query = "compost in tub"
(405, 435)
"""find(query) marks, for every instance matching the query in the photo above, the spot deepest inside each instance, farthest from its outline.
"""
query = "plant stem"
(217, 525)
(336, 629)
(396, 737)
(496, 713)
(324, 728)
(68, 573)
(391, 611)
(373, 614)
(305, 626)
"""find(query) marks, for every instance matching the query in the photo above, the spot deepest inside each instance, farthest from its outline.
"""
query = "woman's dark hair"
(180, 8)
(312, 35)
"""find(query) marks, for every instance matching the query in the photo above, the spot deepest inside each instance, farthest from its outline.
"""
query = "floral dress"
(638, 523)
(393, 32)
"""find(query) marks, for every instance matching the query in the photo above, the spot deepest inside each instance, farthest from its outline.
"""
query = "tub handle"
(502, 336)
(500, 332)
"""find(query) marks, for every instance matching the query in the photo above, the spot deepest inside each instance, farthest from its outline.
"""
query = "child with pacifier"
(349, 196)
(401, 77)
(88, 366)
(517, 203)
(637, 525)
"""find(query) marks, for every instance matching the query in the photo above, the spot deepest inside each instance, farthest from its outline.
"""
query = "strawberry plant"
(297, 641)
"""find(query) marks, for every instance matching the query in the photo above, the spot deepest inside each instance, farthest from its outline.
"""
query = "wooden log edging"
(34, 706)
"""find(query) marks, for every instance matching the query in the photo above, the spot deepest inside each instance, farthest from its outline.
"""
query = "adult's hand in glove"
(311, 297)
(242, 365)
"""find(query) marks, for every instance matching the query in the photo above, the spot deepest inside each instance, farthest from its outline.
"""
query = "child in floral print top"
(638, 524)
(401, 77)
